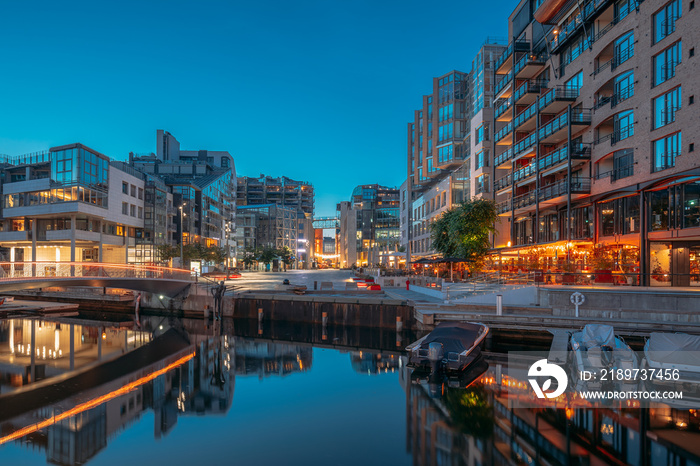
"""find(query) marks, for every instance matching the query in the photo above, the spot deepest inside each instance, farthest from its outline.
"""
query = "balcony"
(616, 136)
(614, 99)
(502, 88)
(529, 65)
(586, 12)
(528, 91)
(556, 130)
(503, 158)
(505, 135)
(525, 172)
(504, 63)
(558, 98)
(579, 152)
(503, 183)
(14, 236)
(547, 195)
(525, 121)
(525, 146)
(618, 59)
(502, 113)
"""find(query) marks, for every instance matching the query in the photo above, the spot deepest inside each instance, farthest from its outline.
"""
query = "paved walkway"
(418, 298)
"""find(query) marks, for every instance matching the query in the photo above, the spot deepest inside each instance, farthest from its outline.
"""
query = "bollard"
(315, 285)
(499, 304)
(408, 283)
(399, 324)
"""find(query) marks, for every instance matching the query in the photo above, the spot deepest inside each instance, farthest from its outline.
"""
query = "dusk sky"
(317, 91)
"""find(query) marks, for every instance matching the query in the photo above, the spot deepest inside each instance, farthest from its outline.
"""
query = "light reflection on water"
(257, 401)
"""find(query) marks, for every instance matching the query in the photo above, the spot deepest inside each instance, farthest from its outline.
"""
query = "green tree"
(470, 411)
(250, 256)
(267, 255)
(286, 255)
(167, 252)
(464, 230)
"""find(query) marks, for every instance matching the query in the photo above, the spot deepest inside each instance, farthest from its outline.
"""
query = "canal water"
(243, 394)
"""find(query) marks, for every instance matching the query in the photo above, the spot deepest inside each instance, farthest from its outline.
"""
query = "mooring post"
(499, 304)
(315, 285)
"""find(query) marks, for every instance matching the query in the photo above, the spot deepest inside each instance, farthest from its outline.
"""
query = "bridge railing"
(48, 270)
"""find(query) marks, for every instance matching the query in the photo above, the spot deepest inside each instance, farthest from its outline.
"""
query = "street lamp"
(228, 250)
(182, 235)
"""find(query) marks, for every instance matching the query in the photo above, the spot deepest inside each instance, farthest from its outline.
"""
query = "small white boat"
(673, 351)
(451, 346)
(596, 348)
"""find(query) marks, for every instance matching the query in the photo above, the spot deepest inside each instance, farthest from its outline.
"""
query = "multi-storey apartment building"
(70, 203)
(282, 190)
(594, 137)
(449, 154)
(203, 187)
(369, 226)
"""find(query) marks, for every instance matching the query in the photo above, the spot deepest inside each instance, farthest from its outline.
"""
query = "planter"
(603, 276)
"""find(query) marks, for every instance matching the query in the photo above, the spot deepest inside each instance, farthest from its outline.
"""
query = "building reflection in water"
(485, 424)
(59, 346)
(199, 384)
(373, 362)
(265, 358)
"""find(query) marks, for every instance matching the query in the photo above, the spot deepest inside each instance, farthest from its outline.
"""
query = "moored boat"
(451, 346)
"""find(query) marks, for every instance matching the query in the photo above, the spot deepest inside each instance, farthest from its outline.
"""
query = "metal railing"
(505, 80)
(525, 115)
(530, 58)
(501, 109)
(10, 271)
(558, 93)
(503, 132)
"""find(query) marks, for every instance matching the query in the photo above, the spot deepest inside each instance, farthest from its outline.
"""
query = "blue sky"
(315, 90)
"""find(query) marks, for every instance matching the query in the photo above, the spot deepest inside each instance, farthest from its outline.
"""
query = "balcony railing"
(518, 46)
(525, 144)
(525, 115)
(525, 172)
(578, 185)
(502, 183)
(504, 157)
(505, 131)
(505, 80)
(617, 135)
(558, 93)
(579, 116)
(501, 109)
(620, 96)
(529, 59)
(622, 56)
(579, 151)
(585, 12)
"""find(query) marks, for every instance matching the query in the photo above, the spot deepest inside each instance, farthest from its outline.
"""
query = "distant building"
(369, 226)
(203, 187)
(282, 190)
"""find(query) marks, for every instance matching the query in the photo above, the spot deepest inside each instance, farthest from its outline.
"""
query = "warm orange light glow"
(94, 402)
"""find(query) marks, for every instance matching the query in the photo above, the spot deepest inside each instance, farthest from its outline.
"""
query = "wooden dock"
(19, 308)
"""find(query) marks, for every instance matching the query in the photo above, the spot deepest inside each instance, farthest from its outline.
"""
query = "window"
(623, 164)
(140, 214)
(624, 87)
(62, 166)
(665, 63)
(133, 191)
(482, 184)
(125, 208)
(691, 208)
(624, 49)
(665, 20)
(574, 84)
(479, 134)
(125, 187)
(624, 8)
(132, 210)
(665, 107)
(659, 210)
(482, 159)
(141, 191)
(624, 126)
(665, 151)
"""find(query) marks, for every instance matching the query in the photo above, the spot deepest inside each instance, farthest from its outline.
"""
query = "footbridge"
(167, 281)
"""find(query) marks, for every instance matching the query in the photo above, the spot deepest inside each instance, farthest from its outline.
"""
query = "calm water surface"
(248, 395)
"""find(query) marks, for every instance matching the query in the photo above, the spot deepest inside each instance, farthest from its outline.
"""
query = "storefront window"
(691, 207)
(660, 264)
(659, 210)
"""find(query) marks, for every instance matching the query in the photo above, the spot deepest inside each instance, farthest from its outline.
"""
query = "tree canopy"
(464, 230)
